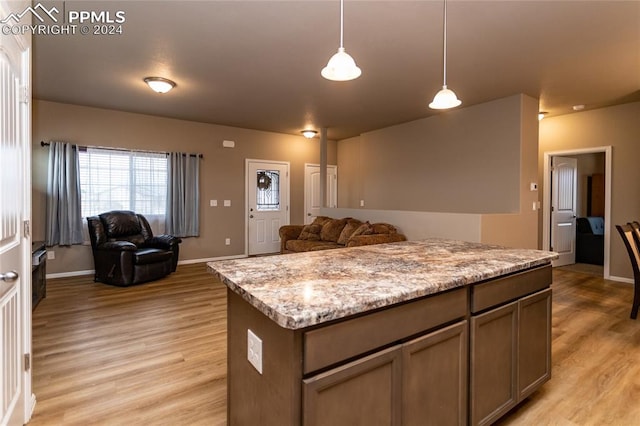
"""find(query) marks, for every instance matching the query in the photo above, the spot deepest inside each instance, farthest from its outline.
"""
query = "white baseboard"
(70, 274)
(211, 259)
(181, 262)
(620, 279)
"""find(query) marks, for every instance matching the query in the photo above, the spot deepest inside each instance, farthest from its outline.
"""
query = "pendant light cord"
(444, 47)
(341, 21)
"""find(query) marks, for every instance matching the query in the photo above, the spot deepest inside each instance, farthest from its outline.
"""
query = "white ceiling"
(256, 64)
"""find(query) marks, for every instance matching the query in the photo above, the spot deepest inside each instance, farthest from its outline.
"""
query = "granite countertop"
(304, 289)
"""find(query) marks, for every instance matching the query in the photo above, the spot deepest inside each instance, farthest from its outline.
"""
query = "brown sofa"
(327, 233)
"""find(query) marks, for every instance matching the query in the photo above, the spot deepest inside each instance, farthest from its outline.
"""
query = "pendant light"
(341, 66)
(445, 98)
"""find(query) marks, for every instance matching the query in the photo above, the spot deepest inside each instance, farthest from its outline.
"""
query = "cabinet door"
(493, 363)
(534, 342)
(364, 392)
(434, 378)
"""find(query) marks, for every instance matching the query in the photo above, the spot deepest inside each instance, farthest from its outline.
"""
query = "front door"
(563, 209)
(312, 202)
(15, 244)
(267, 204)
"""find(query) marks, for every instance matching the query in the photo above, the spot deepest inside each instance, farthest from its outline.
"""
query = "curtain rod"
(43, 143)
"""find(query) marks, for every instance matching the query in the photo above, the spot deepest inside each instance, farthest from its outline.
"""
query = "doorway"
(592, 194)
(267, 204)
(312, 201)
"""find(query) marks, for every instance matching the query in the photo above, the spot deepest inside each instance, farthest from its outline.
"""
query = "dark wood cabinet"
(493, 363)
(510, 355)
(366, 391)
(38, 273)
(463, 356)
(434, 378)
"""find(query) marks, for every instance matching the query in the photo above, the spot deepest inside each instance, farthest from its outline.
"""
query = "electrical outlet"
(254, 350)
(51, 255)
(361, 203)
(227, 241)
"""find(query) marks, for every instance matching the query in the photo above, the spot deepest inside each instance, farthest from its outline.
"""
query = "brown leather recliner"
(125, 252)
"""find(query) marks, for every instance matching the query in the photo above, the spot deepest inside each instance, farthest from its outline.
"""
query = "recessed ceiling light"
(309, 133)
(578, 107)
(159, 84)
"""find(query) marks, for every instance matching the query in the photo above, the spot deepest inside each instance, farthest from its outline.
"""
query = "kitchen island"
(418, 332)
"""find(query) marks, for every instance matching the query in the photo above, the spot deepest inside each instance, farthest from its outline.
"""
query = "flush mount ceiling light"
(159, 84)
(309, 133)
(445, 98)
(341, 66)
(541, 115)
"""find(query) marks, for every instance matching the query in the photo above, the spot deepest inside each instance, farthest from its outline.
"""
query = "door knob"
(308, 214)
(9, 277)
(250, 216)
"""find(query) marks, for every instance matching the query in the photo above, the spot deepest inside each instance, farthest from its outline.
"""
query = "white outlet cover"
(254, 350)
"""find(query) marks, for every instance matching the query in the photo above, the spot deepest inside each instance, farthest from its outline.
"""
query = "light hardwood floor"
(155, 354)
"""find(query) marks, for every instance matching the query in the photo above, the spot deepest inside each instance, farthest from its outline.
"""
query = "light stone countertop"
(304, 289)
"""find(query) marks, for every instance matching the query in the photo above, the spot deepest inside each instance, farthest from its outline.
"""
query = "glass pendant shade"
(445, 99)
(341, 67)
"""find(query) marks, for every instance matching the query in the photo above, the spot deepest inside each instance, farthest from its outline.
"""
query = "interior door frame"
(287, 202)
(546, 205)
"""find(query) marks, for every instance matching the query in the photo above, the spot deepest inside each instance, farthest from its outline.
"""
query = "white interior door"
(15, 211)
(563, 209)
(267, 204)
(312, 200)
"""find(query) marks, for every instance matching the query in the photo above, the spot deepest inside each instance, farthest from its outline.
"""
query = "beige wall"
(222, 169)
(462, 161)
(618, 127)
(475, 160)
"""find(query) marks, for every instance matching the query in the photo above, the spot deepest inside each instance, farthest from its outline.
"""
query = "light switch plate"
(254, 350)
(213, 203)
(227, 203)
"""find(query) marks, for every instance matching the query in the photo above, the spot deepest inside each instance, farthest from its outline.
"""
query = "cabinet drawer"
(502, 290)
(340, 341)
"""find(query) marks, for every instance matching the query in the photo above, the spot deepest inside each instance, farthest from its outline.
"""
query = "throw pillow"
(332, 229)
(384, 228)
(349, 229)
(364, 229)
(321, 220)
(310, 232)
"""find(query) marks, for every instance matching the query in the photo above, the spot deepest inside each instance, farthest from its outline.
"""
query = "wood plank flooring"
(155, 354)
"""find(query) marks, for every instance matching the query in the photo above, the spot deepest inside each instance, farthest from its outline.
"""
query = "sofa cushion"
(597, 224)
(348, 230)
(331, 230)
(147, 256)
(306, 245)
(384, 228)
(310, 232)
(364, 229)
(321, 220)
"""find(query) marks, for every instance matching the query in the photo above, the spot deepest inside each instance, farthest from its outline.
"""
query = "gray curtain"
(183, 195)
(64, 217)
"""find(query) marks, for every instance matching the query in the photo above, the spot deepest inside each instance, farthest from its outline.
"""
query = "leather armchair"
(126, 252)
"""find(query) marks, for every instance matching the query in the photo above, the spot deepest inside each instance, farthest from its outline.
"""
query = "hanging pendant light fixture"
(445, 98)
(341, 66)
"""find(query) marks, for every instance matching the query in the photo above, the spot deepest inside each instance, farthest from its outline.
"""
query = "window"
(268, 194)
(123, 180)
